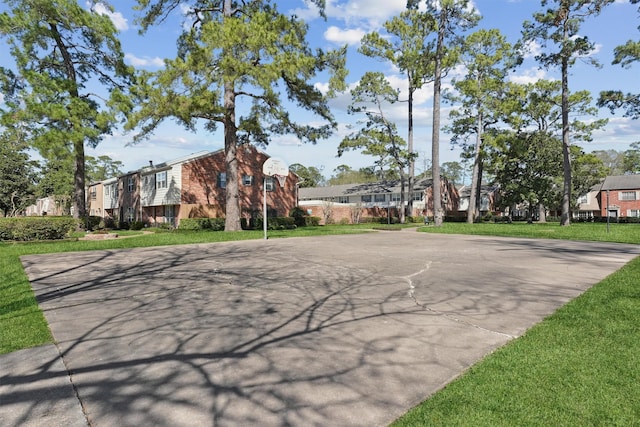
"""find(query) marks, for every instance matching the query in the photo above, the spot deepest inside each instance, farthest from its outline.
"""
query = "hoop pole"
(264, 206)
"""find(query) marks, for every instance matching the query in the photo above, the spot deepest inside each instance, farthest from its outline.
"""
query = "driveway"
(347, 330)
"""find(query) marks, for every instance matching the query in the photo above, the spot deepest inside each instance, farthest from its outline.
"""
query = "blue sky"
(346, 22)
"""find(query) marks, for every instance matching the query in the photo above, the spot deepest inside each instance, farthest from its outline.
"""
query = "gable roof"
(382, 187)
(465, 190)
(621, 182)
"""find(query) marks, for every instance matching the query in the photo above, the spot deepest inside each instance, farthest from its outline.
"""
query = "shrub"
(36, 228)
(312, 221)
(277, 223)
(194, 224)
(298, 214)
(136, 225)
(93, 222)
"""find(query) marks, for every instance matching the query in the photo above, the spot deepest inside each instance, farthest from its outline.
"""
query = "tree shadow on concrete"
(209, 335)
(282, 333)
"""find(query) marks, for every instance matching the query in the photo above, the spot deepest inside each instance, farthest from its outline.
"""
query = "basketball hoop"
(272, 167)
(281, 180)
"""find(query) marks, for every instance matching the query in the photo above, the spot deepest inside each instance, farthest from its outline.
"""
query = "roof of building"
(465, 190)
(152, 168)
(621, 182)
(382, 187)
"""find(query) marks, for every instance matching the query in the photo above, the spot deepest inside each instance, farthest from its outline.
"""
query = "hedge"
(212, 224)
(36, 228)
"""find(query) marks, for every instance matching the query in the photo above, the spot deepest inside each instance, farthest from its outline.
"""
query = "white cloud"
(531, 75)
(364, 10)
(308, 13)
(119, 21)
(145, 61)
(340, 36)
(531, 49)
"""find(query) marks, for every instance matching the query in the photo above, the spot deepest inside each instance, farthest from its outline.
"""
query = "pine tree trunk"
(412, 162)
(232, 205)
(566, 160)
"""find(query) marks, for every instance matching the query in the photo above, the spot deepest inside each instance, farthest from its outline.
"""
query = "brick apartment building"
(619, 196)
(193, 186)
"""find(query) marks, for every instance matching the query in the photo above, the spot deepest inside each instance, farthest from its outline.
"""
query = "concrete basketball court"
(347, 330)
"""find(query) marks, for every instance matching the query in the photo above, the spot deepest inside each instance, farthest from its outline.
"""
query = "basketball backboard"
(274, 166)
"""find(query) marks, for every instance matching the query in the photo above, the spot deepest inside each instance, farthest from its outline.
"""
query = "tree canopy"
(17, 174)
(59, 47)
(559, 26)
(238, 54)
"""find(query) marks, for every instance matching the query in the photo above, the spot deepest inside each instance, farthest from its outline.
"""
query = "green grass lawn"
(620, 233)
(580, 366)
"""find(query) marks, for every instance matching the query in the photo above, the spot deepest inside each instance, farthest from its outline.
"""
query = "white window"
(365, 198)
(270, 183)
(627, 195)
(170, 214)
(343, 199)
(161, 179)
(634, 213)
(93, 193)
(222, 180)
(107, 190)
(379, 198)
(583, 199)
(131, 182)
(129, 214)
(484, 203)
(247, 180)
(418, 195)
(395, 197)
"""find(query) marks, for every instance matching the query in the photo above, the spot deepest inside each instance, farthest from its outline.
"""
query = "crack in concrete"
(412, 295)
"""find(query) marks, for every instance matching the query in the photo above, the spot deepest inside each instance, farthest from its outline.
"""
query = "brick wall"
(615, 203)
(342, 213)
(202, 196)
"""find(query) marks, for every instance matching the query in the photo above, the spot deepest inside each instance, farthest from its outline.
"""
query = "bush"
(94, 222)
(195, 224)
(136, 225)
(277, 223)
(312, 221)
(298, 214)
(36, 228)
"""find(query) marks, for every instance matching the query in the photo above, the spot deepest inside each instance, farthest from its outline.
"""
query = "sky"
(347, 21)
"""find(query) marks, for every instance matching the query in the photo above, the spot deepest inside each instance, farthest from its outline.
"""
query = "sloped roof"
(382, 187)
(465, 190)
(621, 182)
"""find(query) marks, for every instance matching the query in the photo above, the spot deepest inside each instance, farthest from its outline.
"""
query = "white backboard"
(274, 166)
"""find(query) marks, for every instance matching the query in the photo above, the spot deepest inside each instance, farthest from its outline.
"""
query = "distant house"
(50, 205)
(189, 187)
(351, 202)
(489, 198)
(588, 204)
(619, 196)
